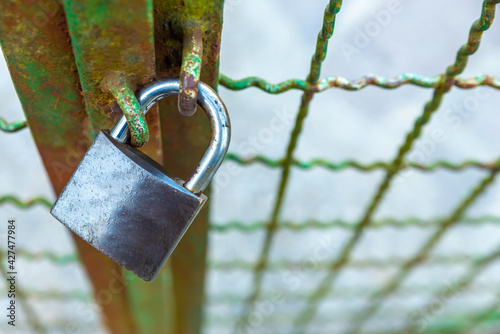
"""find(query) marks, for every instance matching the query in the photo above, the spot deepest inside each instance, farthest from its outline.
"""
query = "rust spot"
(188, 94)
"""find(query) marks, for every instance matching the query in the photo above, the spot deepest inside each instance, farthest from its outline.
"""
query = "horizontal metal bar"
(240, 264)
(324, 322)
(341, 165)
(12, 126)
(232, 298)
(352, 292)
(312, 224)
(26, 204)
(56, 295)
(57, 259)
(320, 266)
(357, 84)
(489, 314)
(329, 82)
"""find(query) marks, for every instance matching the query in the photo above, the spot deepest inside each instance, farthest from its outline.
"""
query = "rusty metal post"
(35, 41)
(53, 69)
(187, 34)
(113, 44)
(107, 46)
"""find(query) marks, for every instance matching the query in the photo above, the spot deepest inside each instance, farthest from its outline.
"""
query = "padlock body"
(127, 206)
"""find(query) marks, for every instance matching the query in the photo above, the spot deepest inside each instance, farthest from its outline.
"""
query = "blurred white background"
(275, 40)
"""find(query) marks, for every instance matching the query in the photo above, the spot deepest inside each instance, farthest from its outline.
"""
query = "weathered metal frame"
(36, 45)
(104, 52)
(187, 138)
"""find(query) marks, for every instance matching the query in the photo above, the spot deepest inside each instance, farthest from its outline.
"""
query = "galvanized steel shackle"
(217, 114)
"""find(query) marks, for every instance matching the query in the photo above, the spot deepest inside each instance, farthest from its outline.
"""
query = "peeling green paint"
(12, 126)
(116, 84)
(185, 139)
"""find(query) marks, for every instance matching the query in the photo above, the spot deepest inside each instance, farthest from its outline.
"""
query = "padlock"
(128, 206)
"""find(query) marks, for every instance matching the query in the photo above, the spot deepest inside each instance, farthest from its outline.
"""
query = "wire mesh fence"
(305, 319)
(441, 85)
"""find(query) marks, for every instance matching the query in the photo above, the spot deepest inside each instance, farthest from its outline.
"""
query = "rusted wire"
(356, 84)
(65, 259)
(349, 293)
(346, 293)
(321, 266)
(250, 227)
(65, 296)
(25, 204)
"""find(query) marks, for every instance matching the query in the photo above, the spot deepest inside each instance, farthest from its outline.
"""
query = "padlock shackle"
(217, 114)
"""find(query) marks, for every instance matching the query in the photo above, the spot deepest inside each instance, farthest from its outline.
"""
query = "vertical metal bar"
(447, 80)
(153, 302)
(186, 138)
(115, 39)
(35, 42)
(321, 46)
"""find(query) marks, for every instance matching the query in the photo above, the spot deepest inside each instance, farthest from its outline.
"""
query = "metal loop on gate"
(220, 125)
(116, 83)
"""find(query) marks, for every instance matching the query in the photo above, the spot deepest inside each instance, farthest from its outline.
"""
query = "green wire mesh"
(310, 86)
(441, 85)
